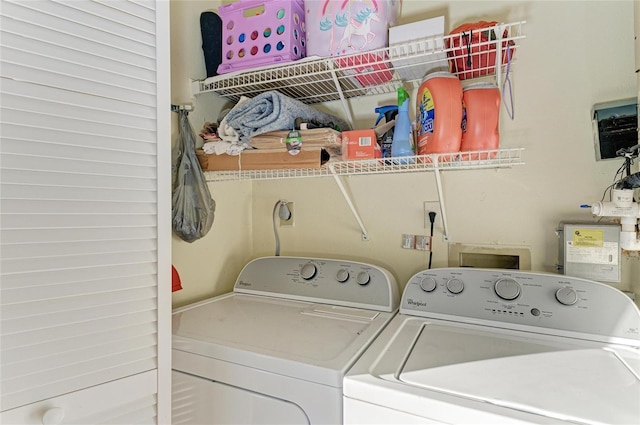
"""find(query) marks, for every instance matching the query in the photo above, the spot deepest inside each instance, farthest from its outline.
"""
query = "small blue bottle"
(402, 144)
(388, 112)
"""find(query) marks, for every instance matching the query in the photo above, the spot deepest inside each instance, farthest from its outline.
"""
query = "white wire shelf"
(316, 80)
(473, 160)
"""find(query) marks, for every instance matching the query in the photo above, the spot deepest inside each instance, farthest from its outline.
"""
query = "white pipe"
(628, 236)
(629, 241)
(628, 218)
(610, 209)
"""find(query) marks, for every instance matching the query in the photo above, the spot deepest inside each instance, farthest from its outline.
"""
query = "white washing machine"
(477, 346)
(277, 348)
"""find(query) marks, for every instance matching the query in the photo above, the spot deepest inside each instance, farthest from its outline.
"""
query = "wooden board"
(267, 159)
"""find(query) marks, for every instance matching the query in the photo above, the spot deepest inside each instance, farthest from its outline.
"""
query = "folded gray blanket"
(271, 111)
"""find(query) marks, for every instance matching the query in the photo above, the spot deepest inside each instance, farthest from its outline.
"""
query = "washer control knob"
(566, 296)
(342, 275)
(428, 284)
(363, 278)
(308, 271)
(507, 289)
(455, 286)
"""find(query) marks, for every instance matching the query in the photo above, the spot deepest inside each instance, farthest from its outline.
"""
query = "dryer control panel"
(322, 280)
(560, 305)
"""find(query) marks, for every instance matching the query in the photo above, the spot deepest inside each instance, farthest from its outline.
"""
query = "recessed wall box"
(489, 257)
(615, 126)
(590, 251)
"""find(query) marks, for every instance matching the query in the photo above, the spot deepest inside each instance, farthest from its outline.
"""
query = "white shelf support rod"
(443, 210)
(499, 52)
(345, 104)
(336, 177)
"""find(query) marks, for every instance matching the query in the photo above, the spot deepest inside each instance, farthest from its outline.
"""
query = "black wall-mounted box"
(615, 126)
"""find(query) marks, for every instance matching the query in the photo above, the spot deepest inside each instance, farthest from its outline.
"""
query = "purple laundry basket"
(261, 32)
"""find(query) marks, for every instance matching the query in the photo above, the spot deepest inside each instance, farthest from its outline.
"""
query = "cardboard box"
(360, 144)
(328, 139)
(268, 159)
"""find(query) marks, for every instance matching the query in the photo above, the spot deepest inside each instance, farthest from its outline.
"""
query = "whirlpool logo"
(414, 303)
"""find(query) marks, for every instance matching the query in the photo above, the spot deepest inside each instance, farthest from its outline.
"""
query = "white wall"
(576, 54)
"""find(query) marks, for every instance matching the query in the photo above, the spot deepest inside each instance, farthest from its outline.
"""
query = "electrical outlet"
(289, 222)
(419, 242)
(435, 207)
(423, 243)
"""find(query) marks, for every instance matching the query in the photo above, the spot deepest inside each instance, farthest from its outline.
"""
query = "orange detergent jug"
(480, 122)
(439, 113)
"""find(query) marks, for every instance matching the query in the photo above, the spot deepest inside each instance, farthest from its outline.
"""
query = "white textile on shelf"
(221, 147)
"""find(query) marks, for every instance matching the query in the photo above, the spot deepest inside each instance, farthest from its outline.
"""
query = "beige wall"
(576, 54)
(210, 265)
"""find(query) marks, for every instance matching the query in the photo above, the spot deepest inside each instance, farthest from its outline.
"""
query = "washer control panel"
(337, 282)
(520, 300)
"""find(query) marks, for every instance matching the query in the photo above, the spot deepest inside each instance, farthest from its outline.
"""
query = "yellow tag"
(588, 237)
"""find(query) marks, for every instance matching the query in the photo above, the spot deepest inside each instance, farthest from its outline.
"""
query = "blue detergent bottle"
(402, 144)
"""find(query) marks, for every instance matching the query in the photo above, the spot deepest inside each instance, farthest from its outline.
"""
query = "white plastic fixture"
(622, 207)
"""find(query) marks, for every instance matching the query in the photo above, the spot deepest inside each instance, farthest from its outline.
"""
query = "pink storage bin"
(261, 32)
(343, 27)
(351, 27)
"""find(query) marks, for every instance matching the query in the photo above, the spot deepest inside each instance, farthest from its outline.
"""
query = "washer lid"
(565, 380)
(315, 342)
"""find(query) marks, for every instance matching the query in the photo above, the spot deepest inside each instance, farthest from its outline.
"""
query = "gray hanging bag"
(193, 207)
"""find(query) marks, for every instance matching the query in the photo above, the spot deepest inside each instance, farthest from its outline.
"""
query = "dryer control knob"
(363, 278)
(507, 289)
(455, 286)
(308, 271)
(566, 296)
(428, 284)
(342, 275)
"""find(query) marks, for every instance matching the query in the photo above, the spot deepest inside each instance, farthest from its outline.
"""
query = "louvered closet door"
(81, 232)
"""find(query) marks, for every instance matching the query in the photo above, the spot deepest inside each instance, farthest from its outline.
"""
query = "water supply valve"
(627, 211)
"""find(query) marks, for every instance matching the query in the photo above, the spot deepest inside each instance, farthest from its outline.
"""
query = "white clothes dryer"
(473, 346)
(277, 348)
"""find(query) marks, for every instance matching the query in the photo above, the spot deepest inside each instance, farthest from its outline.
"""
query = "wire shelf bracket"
(436, 163)
(347, 198)
(443, 210)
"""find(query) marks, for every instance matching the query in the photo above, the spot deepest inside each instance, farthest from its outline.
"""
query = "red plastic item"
(474, 49)
(176, 285)
(369, 69)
